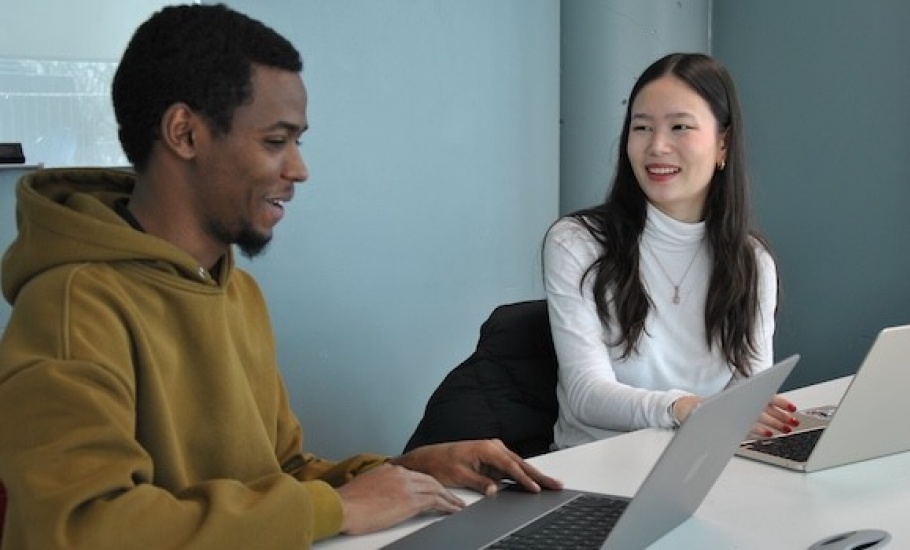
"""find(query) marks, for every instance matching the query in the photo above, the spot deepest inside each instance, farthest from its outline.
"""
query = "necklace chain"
(667, 275)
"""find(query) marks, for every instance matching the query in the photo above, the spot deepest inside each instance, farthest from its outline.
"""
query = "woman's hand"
(683, 406)
(777, 418)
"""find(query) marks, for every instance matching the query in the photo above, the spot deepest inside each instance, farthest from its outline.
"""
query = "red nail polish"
(768, 433)
(786, 429)
(794, 421)
(791, 408)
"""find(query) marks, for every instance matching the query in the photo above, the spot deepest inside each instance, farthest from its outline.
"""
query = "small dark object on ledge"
(11, 153)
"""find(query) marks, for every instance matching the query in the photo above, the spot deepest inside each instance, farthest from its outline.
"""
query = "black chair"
(506, 389)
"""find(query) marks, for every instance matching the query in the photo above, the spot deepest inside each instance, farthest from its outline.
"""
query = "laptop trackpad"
(485, 520)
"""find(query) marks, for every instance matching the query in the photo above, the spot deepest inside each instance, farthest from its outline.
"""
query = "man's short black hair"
(200, 55)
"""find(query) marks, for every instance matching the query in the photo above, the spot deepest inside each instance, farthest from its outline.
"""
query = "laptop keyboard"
(583, 522)
(795, 446)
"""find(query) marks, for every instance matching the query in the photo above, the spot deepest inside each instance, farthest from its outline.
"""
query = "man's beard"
(250, 243)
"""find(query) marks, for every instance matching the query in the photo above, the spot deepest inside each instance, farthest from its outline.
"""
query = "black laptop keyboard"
(795, 446)
(583, 522)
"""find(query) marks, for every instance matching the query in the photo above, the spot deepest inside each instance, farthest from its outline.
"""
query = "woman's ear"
(722, 150)
(178, 130)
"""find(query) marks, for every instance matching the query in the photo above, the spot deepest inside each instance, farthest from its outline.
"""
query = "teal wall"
(435, 160)
(825, 87)
(434, 157)
(604, 47)
(433, 150)
(8, 177)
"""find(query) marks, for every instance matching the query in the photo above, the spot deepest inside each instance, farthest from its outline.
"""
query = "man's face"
(246, 176)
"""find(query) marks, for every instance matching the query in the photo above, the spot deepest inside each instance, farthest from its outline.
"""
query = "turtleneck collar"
(663, 228)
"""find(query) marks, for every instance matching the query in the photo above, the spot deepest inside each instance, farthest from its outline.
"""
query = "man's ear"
(179, 129)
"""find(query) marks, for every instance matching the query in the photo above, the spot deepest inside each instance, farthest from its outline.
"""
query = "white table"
(752, 505)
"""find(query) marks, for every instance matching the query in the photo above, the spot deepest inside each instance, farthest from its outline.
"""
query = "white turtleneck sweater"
(599, 393)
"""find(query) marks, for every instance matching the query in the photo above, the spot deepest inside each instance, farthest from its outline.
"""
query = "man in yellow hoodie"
(140, 401)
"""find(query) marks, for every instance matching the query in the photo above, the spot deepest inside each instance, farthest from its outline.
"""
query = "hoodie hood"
(66, 216)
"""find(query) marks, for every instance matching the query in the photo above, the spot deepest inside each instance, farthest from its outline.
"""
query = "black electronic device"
(11, 153)
(861, 539)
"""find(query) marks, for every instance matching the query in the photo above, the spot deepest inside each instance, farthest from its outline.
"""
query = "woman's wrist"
(671, 410)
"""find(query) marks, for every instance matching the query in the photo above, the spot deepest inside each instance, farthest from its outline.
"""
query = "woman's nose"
(659, 142)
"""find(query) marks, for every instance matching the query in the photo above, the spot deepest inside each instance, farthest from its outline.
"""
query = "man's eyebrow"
(290, 127)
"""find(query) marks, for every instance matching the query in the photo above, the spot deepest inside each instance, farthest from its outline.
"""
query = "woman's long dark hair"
(731, 309)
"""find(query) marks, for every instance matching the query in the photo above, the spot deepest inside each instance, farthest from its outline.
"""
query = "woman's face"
(674, 147)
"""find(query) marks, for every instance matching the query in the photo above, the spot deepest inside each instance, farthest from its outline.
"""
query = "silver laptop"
(672, 491)
(870, 421)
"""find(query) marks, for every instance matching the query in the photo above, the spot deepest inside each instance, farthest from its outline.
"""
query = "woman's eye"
(641, 128)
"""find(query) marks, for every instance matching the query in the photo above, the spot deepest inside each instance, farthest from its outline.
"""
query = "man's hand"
(416, 482)
(479, 465)
(387, 495)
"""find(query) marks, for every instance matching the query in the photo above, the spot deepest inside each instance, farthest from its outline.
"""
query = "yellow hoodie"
(140, 401)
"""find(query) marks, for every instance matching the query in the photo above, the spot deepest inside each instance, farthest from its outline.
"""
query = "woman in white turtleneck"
(665, 293)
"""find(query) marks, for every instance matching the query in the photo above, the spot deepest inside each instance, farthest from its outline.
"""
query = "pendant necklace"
(667, 275)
